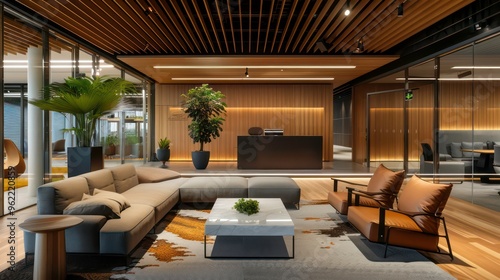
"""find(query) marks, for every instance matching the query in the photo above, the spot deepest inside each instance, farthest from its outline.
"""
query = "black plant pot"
(200, 159)
(163, 155)
(84, 159)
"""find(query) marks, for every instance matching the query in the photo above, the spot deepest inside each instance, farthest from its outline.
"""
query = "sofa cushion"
(456, 150)
(100, 179)
(208, 189)
(91, 205)
(59, 194)
(162, 196)
(121, 236)
(419, 196)
(472, 145)
(124, 204)
(125, 177)
(386, 181)
(155, 174)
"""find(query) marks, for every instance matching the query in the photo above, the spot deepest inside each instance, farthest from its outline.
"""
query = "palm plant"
(87, 99)
(164, 143)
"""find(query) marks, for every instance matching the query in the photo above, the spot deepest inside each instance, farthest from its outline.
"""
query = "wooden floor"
(474, 232)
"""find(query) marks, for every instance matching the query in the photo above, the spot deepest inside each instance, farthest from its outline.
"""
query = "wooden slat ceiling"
(250, 31)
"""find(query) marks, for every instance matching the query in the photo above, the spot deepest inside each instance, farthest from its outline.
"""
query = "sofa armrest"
(155, 174)
(46, 201)
(82, 238)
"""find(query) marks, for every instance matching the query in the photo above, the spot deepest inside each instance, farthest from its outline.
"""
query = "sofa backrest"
(125, 177)
(55, 196)
(446, 137)
(100, 179)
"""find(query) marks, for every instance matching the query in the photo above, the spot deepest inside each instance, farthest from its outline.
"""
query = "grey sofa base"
(275, 187)
(205, 190)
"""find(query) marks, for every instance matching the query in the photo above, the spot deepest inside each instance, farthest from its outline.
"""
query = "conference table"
(484, 163)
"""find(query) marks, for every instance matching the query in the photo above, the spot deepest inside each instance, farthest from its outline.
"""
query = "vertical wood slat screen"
(463, 110)
(298, 109)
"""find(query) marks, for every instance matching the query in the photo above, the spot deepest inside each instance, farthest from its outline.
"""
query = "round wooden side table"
(50, 247)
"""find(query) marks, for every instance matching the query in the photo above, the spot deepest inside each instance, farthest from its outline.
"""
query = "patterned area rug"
(326, 247)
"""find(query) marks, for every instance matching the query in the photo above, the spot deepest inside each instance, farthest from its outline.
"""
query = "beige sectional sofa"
(135, 200)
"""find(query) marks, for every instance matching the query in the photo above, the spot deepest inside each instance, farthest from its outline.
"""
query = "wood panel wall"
(304, 109)
(464, 105)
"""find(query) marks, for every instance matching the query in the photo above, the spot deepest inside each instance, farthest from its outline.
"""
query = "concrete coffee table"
(241, 235)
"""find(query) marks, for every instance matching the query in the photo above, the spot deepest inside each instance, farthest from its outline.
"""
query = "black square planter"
(84, 159)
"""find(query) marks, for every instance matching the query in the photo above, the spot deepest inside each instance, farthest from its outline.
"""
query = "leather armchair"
(414, 224)
(381, 190)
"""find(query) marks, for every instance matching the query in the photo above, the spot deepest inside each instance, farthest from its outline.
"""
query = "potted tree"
(204, 106)
(86, 99)
(163, 151)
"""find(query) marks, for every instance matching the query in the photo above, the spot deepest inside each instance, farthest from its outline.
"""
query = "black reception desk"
(280, 152)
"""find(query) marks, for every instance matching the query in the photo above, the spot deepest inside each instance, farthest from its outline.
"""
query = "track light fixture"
(347, 10)
(149, 10)
(360, 48)
(246, 73)
(400, 10)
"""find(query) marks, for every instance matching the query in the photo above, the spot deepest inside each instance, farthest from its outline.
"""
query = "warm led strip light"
(475, 67)
(252, 79)
(450, 79)
(254, 67)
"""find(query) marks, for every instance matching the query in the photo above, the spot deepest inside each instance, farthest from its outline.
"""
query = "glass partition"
(385, 108)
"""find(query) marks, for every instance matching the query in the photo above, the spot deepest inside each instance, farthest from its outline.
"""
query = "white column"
(35, 121)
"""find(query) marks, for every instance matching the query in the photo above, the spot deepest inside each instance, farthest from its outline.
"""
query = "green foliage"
(248, 206)
(204, 106)
(131, 138)
(87, 99)
(112, 139)
(164, 143)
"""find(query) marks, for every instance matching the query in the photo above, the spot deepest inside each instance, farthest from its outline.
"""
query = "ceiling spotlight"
(149, 10)
(246, 73)
(360, 48)
(400, 10)
(347, 10)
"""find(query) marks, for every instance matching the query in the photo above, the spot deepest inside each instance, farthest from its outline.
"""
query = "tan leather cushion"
(421, 196)
(124, 203)
(66, 192)
(404, 231)
(384, 179)
(100, 179)
(155, 174)
(338, 200)
(125, 177)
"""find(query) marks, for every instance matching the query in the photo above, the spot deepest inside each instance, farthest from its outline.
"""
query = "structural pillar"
(35, 121)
